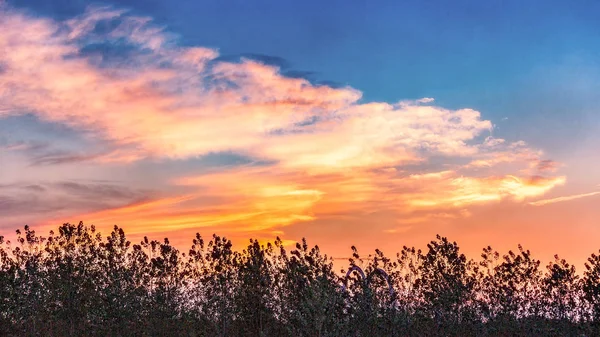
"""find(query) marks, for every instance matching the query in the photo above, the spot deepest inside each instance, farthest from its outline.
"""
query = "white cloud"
(425, 100)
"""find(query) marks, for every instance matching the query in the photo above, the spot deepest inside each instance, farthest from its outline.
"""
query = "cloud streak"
(563, 199)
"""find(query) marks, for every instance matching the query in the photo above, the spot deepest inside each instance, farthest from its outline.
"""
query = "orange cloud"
(266, 200)
(463, 191)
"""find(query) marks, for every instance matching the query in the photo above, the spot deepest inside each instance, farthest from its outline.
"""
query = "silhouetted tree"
(447, 286)
(591, 289)
(311, 301)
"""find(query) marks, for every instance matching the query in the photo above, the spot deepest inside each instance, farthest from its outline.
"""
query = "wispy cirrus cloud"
(330, 152)
(562, 199)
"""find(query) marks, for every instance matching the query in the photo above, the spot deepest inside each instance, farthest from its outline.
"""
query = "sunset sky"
(370, 123)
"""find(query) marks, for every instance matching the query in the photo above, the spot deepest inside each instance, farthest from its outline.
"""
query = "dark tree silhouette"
(76, 282)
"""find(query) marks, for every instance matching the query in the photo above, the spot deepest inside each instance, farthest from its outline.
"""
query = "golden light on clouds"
(317, 151)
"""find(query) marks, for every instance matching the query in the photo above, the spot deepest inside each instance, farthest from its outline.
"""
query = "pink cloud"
(161, 112)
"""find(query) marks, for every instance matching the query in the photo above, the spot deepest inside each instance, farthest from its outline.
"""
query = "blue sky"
(529, 68)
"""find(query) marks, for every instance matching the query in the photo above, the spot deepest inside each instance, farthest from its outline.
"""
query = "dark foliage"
(78, 283)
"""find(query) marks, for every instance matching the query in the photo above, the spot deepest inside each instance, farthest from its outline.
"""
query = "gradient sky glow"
(377, 124)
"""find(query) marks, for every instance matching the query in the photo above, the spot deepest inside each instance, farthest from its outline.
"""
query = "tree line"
(75, 282)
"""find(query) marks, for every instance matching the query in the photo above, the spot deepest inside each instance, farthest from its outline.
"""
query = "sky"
(370, 123)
